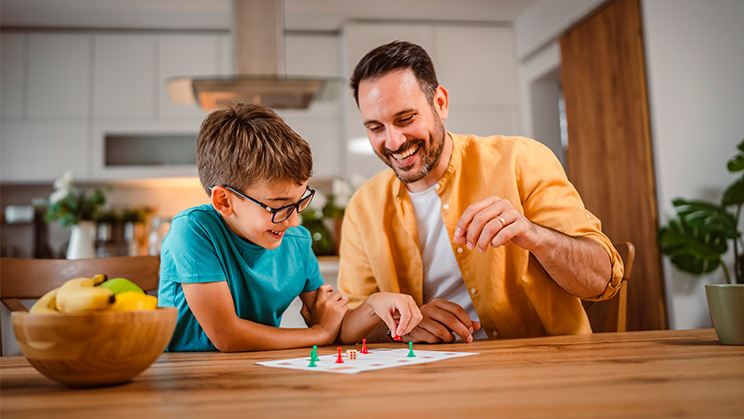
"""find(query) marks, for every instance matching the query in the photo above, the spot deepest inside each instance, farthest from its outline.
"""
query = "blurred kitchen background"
(83, 89)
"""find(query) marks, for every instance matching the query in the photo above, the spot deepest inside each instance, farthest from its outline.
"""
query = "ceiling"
(215, 14)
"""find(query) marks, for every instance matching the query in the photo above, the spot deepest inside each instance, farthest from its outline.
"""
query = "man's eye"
(407, 119)
(374, 128)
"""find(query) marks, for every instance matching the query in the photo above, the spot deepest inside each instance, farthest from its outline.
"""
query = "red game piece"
(364, 346)
(397, 338)
(339, 360)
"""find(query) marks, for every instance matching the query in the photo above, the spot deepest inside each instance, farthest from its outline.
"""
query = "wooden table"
(655, 373)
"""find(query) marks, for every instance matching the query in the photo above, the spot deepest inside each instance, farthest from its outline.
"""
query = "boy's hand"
(399, 311)
(328, 311)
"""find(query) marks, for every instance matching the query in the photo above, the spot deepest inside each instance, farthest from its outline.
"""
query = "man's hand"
(578, 264)
(495, 221)
(441, 319)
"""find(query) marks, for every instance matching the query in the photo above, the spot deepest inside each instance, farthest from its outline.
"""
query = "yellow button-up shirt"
(511, 292)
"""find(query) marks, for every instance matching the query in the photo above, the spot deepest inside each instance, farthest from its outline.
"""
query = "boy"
(233, 267)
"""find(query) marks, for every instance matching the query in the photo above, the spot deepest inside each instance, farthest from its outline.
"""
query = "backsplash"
(166, 198)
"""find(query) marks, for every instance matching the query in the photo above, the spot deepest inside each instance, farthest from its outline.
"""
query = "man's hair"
(397, 55)
(244, 144)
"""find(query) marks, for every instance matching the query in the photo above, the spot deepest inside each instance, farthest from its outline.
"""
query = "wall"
(696, 94)
(696, 101)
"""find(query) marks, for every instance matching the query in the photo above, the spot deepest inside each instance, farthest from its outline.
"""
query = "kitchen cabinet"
(124, 85)
(41, 151)
(13, 72)
(186, 55)
(318, 55)
(58, 76)
(480, 78)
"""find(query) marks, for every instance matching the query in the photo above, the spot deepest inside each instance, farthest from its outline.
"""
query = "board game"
(376, 359)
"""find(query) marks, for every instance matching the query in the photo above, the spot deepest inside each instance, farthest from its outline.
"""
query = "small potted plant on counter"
(74, 207)
(696, 241)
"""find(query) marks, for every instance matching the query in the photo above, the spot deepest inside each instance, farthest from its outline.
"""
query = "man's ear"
(441, 102)
(221, 201)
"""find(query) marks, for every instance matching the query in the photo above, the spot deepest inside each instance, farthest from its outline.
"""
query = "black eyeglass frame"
(274, 211)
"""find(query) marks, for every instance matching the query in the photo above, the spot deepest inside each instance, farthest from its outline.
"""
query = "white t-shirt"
(442, 277)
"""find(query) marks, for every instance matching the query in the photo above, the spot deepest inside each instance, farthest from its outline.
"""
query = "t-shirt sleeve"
(188, 253)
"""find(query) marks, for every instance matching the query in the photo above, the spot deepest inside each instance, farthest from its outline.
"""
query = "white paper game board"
(376, 359)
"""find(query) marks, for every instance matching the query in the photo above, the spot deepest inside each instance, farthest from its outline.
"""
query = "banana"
(133, 300)
(47, 304)
(80, 294)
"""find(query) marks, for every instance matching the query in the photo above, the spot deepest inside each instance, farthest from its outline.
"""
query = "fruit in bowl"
(82, 334)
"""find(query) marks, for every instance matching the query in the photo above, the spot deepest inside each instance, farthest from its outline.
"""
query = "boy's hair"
(244, 144)
(397, 55)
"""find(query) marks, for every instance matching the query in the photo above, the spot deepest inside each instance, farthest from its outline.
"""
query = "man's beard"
(429, 159)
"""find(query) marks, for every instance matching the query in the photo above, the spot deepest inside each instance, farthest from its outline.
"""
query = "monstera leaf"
(696, 240)
(691, 249)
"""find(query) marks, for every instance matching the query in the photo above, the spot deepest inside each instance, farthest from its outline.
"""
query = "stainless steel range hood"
(258, 39)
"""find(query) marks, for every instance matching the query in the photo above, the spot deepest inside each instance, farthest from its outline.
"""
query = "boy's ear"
(221, 201)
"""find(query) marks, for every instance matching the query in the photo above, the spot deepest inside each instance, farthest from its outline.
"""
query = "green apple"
(119, 285)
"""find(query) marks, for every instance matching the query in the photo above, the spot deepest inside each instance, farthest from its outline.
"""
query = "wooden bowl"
(94, 348)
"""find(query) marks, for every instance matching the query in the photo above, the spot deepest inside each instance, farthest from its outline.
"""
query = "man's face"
(405, 130)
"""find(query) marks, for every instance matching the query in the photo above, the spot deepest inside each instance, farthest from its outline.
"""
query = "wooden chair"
(32, 278)
(611, 315)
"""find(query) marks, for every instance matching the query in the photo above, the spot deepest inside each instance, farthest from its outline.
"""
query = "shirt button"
(436, 186)
(495, 333)
(473, 291)
(459, 250)
(587, 216)
(445, 206)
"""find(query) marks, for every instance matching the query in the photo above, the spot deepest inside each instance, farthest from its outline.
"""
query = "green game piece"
(410, 350)
(313, 357)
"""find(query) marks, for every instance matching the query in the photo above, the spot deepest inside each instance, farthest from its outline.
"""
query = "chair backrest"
(32, 278)
(612, 315)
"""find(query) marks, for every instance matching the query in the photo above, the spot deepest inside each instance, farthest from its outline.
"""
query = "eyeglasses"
(280, 214)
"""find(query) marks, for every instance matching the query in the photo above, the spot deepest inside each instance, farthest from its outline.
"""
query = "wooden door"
(609, 157)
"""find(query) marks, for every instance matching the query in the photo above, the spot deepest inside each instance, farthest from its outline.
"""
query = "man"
(487, 234)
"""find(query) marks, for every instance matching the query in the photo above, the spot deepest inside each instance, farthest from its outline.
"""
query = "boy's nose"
(293, 220)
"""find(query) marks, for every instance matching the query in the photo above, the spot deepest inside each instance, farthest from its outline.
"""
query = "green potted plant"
(74, 207)
(696, 241)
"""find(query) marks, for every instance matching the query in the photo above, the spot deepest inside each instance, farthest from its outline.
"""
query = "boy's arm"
(382, 310)
(213, 307)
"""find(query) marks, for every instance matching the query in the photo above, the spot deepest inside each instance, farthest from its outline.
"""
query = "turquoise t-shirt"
(200, 247)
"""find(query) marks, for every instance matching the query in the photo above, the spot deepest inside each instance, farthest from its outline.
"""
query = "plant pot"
(82, 241)
(726, 304)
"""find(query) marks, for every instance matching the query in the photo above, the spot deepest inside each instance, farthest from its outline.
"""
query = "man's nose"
(395, 138)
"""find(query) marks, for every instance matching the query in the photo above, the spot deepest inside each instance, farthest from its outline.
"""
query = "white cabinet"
(58, 76)
(13, 64)
(45, 106)
(475, 62)
(321, 124)
(40, 151)
(124, 85)
(185, 55)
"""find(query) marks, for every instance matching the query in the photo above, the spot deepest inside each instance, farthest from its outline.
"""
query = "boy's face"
(253, 223)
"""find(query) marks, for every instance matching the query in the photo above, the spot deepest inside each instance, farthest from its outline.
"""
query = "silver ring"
(502, 220)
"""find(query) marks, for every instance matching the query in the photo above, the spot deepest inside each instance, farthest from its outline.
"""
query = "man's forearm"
(579, 265)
